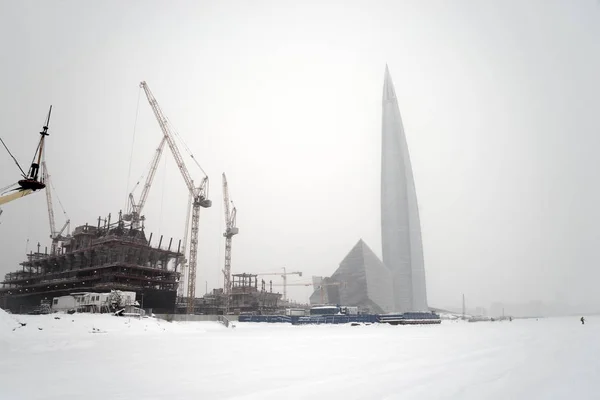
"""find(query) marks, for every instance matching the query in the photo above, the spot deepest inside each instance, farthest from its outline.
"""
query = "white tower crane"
(284, 276)
(134, 212)
(184, 269)
(199, 194)
(321, 287)
(55, 235)
(230, 230)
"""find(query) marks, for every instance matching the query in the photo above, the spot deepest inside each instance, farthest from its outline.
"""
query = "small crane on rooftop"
(134, 209)
(284, 275)
(230, 230)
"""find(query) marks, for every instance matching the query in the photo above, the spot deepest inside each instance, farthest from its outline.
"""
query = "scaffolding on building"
(109, 256)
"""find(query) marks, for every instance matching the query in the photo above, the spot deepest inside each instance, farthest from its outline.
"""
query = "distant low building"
(247, 297)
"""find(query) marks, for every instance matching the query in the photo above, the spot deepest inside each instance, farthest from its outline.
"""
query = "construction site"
(116, 253)
(111, 256)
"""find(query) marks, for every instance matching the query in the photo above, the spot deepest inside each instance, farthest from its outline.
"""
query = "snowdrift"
(7, 323)
(129, 358)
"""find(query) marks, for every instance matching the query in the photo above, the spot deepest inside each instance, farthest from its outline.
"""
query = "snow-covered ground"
(104, 357)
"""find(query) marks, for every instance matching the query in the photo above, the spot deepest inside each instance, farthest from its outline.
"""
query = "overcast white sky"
(499, 101)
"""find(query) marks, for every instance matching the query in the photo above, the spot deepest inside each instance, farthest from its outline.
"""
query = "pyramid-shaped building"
(361, 280)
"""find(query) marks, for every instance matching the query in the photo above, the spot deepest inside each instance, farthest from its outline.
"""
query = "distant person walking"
(582, 321)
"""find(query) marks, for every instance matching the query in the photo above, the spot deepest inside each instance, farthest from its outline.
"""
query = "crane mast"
(230, 230)
(46, 179)
(184, 269)
(164, 126)
(55, 235)
(199, 194)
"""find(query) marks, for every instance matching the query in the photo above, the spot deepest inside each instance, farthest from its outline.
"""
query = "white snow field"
(105, 357)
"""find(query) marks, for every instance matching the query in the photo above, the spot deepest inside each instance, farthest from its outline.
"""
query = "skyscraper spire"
(400, 224)
(389, 94)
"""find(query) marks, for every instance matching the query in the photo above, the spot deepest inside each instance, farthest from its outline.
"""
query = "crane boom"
(59, 233)
(199, 194)
(293, 284)
(55, 235)
(164, 126)
(151, 175)
(279, 273)
(135, 214)
(14, 196)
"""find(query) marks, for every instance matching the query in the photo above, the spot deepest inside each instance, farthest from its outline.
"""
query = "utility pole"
(464, 308)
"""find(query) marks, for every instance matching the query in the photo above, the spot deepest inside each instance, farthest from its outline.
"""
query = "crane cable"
(6, 188)
(13, 157)
(58, 198)
(185, 146)
(53, 188)
(146, 170)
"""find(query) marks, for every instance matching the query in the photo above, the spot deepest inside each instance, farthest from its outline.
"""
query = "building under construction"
(100, 258)
(245, 297)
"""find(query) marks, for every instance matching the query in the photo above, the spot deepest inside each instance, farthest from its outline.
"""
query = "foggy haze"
(499, 102)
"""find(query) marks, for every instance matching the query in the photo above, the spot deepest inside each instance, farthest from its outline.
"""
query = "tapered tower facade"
(400, 225)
